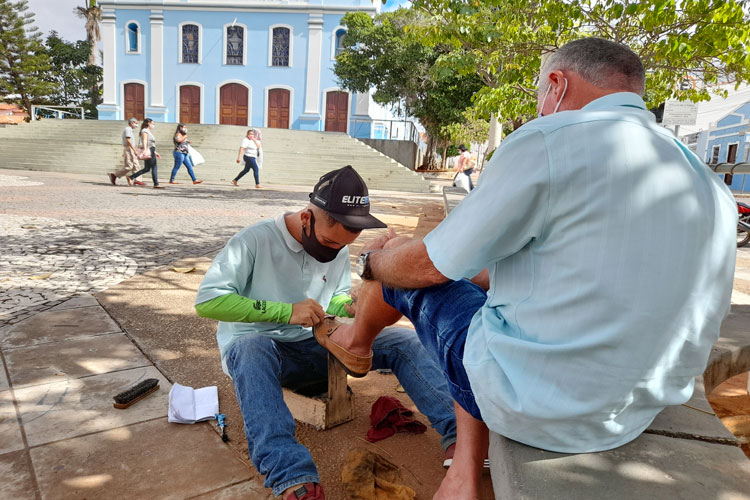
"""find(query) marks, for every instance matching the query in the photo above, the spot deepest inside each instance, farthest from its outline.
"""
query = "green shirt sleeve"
(234, 308)
(336, 306)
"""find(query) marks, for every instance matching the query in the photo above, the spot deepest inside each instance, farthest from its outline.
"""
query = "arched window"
(132, 37)
(190, 43)
(339, 41)
(235, 45)
(280, 51)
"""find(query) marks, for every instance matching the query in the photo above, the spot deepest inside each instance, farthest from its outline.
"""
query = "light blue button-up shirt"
(264, 261)
(611, 252)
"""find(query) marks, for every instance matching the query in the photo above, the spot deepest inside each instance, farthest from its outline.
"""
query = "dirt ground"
(731, 403)
(156, 311)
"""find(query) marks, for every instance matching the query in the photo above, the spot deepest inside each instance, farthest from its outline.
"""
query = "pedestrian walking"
(147, 145)
(182, 155)
(129, 156)
(465, 165)
(249, 153)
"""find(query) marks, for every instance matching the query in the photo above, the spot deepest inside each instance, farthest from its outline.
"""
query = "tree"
(473, 129)
(23, 60)
(92, 13)
(503, 42)
(71, 74)
(383, 54)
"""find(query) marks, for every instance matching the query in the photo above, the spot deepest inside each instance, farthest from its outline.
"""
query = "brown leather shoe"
(353, 364)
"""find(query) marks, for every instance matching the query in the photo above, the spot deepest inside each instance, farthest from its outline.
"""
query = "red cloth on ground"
(388, 416)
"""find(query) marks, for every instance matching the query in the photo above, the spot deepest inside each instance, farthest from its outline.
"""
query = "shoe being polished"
(353, 364)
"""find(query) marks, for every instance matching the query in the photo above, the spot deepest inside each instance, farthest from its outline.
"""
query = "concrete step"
(291, 156)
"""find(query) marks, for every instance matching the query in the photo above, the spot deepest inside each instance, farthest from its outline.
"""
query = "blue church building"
(266, 63)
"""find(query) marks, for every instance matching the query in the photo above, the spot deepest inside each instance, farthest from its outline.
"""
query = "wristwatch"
(363, 266)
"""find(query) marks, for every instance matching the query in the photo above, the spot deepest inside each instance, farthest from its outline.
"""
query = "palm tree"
(92, 13)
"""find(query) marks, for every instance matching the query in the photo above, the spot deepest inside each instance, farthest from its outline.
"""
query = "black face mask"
(314, 248)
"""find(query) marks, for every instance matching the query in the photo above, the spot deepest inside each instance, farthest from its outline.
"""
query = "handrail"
(410, 132)
(58, 110)
(730, 168)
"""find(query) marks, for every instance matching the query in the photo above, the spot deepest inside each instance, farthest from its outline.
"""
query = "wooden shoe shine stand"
(323, 412)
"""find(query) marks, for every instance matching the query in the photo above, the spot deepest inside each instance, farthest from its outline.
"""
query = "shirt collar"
(294, 245)
(628, 99)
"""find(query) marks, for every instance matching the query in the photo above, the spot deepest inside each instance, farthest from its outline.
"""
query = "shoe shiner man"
(608, 252)
(268, 287)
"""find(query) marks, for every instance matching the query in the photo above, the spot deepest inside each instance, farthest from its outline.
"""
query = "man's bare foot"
(345, 337)
(455, 487)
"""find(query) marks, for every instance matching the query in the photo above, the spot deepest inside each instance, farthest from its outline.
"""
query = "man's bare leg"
(462, 480)
(373, 314)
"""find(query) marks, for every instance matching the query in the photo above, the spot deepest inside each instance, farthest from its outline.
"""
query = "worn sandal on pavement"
(307, 491)
(449, 459)
(353, 364)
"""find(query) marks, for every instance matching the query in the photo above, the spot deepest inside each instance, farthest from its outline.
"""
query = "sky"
(395, 4)
(58, 15)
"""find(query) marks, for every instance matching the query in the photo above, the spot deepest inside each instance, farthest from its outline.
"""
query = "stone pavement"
(63, 356)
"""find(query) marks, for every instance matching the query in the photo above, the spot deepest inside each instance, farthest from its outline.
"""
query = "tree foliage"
(386, 54)
(503, 42)
(23, 60)
(72, 75)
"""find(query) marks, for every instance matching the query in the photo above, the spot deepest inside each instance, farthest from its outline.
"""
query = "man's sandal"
(353, 364)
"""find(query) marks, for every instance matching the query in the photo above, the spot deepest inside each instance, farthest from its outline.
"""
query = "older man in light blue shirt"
(607, 251)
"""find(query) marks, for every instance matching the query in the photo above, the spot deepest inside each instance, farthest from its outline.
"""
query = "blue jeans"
(260, 366)
(179, 160)
(148, 165)
(441, 315)
(250, 163)
(469, 172)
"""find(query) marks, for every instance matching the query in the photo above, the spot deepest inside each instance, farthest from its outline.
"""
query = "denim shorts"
(441, 315)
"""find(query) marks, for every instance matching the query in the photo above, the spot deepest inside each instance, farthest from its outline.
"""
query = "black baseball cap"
(343, 195)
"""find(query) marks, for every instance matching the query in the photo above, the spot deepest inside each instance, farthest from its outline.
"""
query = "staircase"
(291, 157)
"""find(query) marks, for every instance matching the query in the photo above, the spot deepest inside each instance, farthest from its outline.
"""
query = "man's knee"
(250, 349)
(404, 340)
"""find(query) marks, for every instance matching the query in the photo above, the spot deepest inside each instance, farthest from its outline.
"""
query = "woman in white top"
(147, 141)
(249, 153)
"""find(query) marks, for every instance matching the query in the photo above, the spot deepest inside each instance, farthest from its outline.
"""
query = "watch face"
(361, 264)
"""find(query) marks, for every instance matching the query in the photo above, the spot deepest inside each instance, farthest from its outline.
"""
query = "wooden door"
(731, 158)
(135, 105)
(233, 104)
(337, 110)
(278, 108)
(190, 104)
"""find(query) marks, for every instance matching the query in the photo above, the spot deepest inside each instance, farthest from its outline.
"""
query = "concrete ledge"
(452, 196)
(649, 467)
(686, 453)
